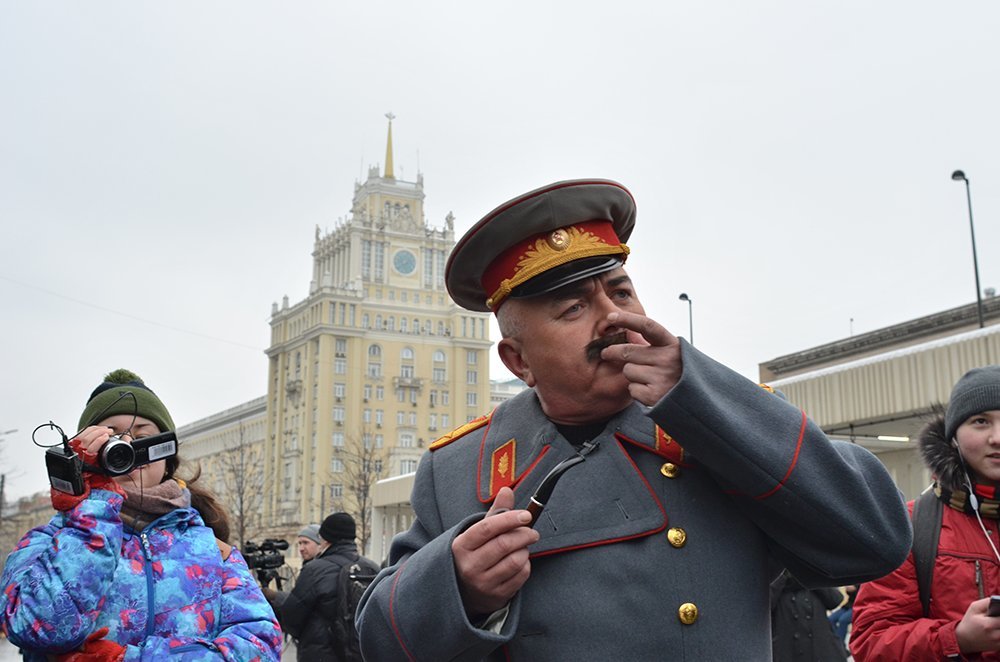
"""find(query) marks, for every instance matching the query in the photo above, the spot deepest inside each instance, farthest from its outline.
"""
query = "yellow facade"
(374, 364)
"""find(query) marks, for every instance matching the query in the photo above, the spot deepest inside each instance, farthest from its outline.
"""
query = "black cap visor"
(565, 274)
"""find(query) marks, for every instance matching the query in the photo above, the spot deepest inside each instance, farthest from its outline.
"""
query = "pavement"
(9, 653)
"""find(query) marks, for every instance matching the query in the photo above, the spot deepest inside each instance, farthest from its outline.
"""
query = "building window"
(338, 414)
(406, 371)
(434, 421)
(379, 415)
(444, 421)
(416, 326)
(439, 356)
(445, 400)
(339, 389)
(340, 366)
(364, 320)
(405, 440)
(407, 466)
(336, 490)
(400, 418)
(366, 416)
(340, 346)
(379, 440)
(379, 260)
(391, 325)
(367, 392)
(471, 356)
(434, 398)
(403, 328)
(338, 440)
(438, 375)
(380, 393)
(406, 354)
(471, 399)
(471, 376)
(336, 465)
(374, 370)
(413, 418)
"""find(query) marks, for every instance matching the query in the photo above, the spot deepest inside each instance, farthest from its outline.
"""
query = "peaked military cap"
(541, 241)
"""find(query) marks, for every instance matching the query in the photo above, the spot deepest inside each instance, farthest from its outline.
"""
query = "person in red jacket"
(962, 450)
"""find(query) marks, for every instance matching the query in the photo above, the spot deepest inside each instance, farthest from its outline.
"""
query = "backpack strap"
(927, 513)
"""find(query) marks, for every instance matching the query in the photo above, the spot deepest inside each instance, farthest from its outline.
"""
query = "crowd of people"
(639, 501)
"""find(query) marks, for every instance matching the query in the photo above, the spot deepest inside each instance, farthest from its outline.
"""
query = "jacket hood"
(940, 456)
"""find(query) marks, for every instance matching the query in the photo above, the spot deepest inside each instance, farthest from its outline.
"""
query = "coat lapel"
(603, 500)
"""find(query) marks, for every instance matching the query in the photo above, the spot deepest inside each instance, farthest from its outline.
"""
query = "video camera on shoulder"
(116, 458)
(265, 558)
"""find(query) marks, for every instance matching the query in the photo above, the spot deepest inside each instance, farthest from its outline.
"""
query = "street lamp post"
(685, 297)
(959, 176)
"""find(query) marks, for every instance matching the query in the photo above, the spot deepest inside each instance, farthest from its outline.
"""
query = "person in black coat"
(800, 631)
(309, 609)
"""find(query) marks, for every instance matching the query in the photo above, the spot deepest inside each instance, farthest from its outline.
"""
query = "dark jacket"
(309, 609)
(888, 617)
(800, 629)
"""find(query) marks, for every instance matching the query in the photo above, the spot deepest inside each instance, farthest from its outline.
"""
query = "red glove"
(95, 649)
(63, 501)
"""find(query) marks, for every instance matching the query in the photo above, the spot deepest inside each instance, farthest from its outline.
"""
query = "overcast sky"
(163, 167)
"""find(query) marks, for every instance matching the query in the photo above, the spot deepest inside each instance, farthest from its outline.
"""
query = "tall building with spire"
(375, 363)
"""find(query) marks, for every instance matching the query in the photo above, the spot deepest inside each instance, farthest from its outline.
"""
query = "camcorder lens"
(117, 457)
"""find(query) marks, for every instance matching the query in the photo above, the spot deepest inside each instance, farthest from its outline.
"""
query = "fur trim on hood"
(940, 456)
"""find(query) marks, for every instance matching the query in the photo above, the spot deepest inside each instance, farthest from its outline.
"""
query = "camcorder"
(116, 458)
(266, 558)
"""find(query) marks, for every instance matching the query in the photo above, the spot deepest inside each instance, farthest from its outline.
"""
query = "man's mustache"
(594, 347)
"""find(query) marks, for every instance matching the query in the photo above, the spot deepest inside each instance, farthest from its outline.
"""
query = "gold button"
(670, 470)
(687, 613)
(677, 536)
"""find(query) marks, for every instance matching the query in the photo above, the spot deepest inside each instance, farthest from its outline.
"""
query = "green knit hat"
(106, 401)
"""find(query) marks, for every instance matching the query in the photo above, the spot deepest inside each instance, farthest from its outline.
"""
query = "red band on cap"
(547, 250)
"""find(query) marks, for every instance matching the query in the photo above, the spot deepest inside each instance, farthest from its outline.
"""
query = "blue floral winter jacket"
(84, 570)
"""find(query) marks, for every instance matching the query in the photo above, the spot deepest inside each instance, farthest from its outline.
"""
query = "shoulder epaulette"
(460, 432)
(766, 387)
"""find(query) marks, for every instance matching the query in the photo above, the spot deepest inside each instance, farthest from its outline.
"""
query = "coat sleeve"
(888, 622)
(413, 609)
(54, 582)
(247, 629)
(303, 600)
(830, 510)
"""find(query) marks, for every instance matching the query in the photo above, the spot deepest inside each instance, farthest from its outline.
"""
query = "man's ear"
(510, 354)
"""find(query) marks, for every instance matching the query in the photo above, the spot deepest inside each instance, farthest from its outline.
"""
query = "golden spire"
(388, 149)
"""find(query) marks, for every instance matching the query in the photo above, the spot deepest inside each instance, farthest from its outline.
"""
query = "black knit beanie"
(107, 400)
(338, 526)
(977, 391)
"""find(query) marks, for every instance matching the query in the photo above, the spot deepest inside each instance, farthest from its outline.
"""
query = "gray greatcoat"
(759, 487)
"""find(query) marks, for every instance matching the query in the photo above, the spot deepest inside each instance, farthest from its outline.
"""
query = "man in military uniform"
(688, 487)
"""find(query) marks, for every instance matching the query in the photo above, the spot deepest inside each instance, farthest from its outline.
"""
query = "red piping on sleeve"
(392, 614)
(795, 460)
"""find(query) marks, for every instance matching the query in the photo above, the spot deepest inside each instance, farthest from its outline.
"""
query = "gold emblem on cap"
(559, 239)
(573, 244)
(688, 613)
